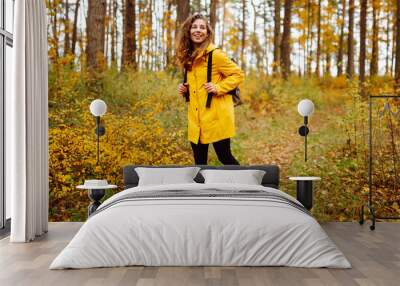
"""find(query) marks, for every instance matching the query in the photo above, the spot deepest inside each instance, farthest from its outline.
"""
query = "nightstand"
(304, 189)
(96, 190)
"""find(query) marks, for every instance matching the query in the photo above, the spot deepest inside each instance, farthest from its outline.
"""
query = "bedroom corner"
(216, 142)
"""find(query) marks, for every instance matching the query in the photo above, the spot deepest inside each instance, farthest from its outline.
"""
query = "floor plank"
(374, 255)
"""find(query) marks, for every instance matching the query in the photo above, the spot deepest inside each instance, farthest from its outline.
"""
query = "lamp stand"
(305, 148)
(303, 131)
(100, 131)
(98, 138)
(305, 138)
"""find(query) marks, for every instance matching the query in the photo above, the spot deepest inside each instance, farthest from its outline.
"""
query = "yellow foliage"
(139, 133)
(146, 124)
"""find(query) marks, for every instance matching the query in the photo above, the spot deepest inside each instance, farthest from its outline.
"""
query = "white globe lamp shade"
(305, 107)
(98, 107)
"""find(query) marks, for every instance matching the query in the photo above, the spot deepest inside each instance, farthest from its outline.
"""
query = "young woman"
(214, 124)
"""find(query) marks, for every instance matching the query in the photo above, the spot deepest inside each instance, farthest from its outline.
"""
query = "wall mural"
(123, 52)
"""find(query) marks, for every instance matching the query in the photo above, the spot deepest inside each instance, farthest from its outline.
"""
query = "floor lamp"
(96, 188)
(98, 108)
(305, 108)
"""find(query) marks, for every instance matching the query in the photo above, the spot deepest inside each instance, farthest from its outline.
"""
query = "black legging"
(222, 148)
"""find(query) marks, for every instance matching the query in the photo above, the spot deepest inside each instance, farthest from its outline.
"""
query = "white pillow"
(165, 176)
(248, 177)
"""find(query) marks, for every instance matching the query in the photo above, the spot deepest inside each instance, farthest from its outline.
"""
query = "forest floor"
(270, 136)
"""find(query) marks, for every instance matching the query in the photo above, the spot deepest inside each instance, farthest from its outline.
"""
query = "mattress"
(201, 225)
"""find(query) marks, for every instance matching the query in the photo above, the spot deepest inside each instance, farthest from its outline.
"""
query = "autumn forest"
(334, 52)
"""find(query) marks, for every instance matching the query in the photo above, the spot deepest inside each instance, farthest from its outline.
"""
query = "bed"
(201, 224)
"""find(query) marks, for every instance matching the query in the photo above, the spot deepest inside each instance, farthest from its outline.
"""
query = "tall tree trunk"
(256, 49)
(253, 5)
(299, 58)
(169, 34)
(75, 27)
(114, 33)
(95, 33)
(81, 45)
(375, 38)
(309, 40)
(363, 32)
(150, 34)
(213, 13)
(394, 38)
(163, 28)
(182, 12)
(140, 38)
(155, 39)
(397, 69)
(285, 46)
(328, 64)
(243, 45)
(305, 52)
(387, 40)
(108, 29)
(129, 38)
(277, 36)
(350, 42)
(55, 30)
(266, 36)
(341, 41)
(223, 23)
(318, 39)
(67, 30)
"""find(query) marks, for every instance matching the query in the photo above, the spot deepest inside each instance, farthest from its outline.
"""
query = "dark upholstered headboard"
(270, 179)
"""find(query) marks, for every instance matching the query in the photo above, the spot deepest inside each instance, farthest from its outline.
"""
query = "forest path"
(270, 136)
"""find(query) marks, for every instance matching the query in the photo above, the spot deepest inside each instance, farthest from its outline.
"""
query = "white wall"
(8, 86)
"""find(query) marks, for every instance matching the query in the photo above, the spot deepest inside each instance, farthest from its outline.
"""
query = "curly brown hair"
(185, 50)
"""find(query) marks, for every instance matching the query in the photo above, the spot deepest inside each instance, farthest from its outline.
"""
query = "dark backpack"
(234, 92)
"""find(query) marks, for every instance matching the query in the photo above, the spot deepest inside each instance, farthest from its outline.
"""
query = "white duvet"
(200, 231)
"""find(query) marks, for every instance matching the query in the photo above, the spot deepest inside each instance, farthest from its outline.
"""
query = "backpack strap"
(185, 81)
(209, 67)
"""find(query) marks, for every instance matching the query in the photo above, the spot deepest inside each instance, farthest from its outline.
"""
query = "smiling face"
(198, 32)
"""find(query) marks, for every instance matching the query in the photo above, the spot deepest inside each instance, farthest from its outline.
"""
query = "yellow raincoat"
(217, 122)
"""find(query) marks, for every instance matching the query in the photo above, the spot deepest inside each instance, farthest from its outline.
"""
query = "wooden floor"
(374, 255)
